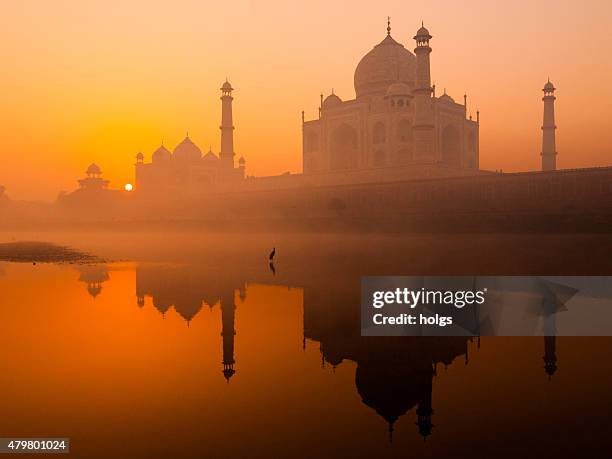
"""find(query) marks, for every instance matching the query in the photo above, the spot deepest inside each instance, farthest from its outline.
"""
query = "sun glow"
(128, 187)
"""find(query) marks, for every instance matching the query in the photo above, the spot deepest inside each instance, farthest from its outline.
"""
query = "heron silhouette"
(271, 258)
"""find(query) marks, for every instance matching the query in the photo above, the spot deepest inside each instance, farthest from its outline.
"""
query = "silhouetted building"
(185, 171)
(395, 121)
(93, 199)
(93, 180)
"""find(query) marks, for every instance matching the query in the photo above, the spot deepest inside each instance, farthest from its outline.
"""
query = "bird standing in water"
(272, 254)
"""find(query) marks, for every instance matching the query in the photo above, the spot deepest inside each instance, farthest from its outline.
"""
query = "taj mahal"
(395, 119)
(395, 151)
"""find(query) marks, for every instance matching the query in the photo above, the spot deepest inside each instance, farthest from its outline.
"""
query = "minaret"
(227, 127)
(228, 309)
(423, 121)
(549, 148)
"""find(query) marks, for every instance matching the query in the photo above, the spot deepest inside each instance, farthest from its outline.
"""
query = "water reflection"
(94, 276)
(393, 376)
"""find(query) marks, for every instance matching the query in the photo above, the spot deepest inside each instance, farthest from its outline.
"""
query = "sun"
(128, 187)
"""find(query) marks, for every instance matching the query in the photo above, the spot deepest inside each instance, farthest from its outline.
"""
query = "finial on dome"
(388, 25)
(332, 91)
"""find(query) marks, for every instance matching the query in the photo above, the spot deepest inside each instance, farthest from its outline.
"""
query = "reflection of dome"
(242, 161)
(161, 304)
(389, 390)
(188, 307)
(94, 276)
(332, 101)
(228, 373)
(333, 352)
(93, 169)
(94, 289)
(161, 154)
(399, 89)
(388, 62)
(187, 151)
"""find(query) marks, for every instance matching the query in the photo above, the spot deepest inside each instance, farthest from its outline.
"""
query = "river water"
(193, 345)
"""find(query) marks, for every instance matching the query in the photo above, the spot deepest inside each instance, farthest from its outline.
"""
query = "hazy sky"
(101, 80)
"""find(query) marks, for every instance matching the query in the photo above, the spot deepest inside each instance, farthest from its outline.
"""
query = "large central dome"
(389, 62)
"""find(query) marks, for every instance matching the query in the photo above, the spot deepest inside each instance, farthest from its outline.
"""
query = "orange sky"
(101, 80)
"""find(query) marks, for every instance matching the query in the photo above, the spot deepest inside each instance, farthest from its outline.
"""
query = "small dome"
(242, 161)
(210, 156)
(549, 86)
(161, 154)
(94, 169)
(139, 155)
(446, 98)
(399, 89)
(423, 32)
(187, 151)
(227, 86)
(332, 101)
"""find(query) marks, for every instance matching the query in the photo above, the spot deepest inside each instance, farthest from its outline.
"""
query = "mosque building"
(185, 169)
(395, 121)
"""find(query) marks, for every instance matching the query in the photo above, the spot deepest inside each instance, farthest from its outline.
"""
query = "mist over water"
(138, 357)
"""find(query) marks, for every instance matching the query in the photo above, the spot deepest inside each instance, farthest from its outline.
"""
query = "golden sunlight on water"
(85, 357)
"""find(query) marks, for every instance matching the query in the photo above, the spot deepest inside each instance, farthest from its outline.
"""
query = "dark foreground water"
(194, 346)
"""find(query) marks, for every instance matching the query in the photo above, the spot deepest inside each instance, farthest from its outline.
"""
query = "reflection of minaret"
(550, 345)
(227, 127)
(549, 148)
(550, 355)
(94, 276)
(228, 309)
(424, 410)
